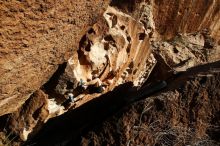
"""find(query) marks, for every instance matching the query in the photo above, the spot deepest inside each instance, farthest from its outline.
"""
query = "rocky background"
(158, 60)
(186, 113)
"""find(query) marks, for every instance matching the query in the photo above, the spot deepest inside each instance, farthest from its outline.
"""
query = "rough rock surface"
(187, 50)
(187, 113)
(172, 17)
(131, 39)
(32, 114)
(111, 50)
(35, 37)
